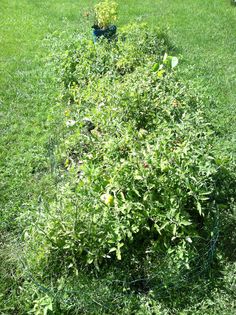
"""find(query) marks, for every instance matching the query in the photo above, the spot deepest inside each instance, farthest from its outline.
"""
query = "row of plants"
(140, 193)
(138, 185)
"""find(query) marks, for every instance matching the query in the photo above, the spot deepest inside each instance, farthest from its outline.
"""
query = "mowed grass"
(203, 31)
(27, 94)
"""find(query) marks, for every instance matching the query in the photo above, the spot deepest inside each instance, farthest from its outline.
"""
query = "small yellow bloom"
(108, 199)
(67, 112)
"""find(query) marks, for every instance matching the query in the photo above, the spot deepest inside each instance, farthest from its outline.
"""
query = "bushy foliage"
(105, 13)
(137, 157)
(138, 186)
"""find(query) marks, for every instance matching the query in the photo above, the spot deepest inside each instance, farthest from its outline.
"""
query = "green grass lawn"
(27, 95)
(204, 33)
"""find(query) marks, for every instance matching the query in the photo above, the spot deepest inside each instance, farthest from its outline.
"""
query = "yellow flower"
(108, 199)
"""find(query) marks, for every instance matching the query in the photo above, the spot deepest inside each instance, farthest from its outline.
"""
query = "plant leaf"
(174, 62)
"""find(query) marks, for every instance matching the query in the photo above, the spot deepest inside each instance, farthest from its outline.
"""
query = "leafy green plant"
(168, 63)
(105, 13)
(139, 174)
(43, 305)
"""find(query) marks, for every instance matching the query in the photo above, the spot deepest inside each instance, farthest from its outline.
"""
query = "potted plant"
(105, 16)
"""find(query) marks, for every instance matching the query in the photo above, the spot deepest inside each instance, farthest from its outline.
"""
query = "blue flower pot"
(108, 32)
